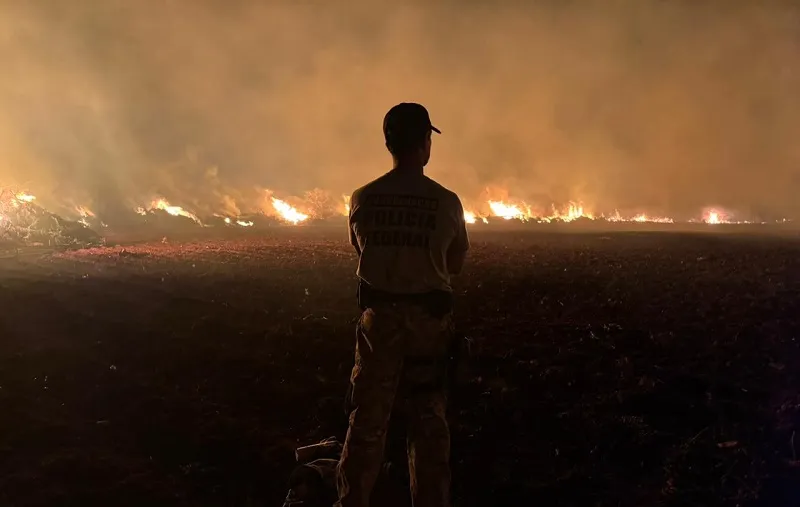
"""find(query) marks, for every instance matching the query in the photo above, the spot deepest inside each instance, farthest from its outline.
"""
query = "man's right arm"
(457, 251)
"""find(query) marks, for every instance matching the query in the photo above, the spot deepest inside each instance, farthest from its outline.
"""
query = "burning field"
(609, 369)
(26, 223)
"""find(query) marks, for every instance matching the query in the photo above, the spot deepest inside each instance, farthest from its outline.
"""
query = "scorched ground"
(610, 369)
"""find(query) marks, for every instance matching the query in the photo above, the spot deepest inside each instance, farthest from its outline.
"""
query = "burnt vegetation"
(608, 369)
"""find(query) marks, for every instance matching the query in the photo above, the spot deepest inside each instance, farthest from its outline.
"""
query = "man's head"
(407, 129)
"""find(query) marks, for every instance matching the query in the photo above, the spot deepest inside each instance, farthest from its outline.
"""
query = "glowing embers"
(639, 218)
(87, 216)
(240, 223)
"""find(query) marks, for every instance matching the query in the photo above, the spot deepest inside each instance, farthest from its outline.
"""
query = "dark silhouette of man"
(410, 236)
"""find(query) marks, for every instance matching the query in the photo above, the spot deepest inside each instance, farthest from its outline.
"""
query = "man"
(410, 236)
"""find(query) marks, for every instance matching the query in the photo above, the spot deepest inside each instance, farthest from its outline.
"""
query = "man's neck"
(407, 167)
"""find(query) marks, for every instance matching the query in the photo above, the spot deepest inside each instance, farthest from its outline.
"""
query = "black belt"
(438, 302)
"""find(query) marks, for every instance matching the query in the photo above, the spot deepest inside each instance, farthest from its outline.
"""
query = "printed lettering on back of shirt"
(400, 220)
(402, 201)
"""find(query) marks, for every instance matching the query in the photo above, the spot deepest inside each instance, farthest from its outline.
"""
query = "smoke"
(637, 104)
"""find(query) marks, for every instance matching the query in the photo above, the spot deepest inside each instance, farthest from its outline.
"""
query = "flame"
(712, 217)
(84, 211)
(510, 211)
(573, 212)
(287, 212)
(507, 211)
(242, 223)
(163, 205)
(641, 218)
(657, 220)
(346, 199)
(319, 204)
(20, 198)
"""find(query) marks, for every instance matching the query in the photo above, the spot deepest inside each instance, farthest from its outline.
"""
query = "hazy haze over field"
(665, 106)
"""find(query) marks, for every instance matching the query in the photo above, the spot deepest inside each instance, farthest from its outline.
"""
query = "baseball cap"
(407, 119)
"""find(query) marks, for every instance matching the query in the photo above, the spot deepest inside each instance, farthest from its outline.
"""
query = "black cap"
(407, 120)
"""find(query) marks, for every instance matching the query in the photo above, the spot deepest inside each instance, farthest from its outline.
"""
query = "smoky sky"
(639, 104)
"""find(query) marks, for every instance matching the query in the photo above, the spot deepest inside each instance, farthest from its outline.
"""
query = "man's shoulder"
(444, 193)
(386, 184)
(367, 188)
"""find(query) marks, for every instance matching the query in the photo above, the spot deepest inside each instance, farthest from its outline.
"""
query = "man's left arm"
(352, 233)
(457, 251)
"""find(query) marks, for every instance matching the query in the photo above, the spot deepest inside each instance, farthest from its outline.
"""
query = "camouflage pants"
(399, 362)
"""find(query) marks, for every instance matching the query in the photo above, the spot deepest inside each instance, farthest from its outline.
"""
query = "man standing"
(410, 236)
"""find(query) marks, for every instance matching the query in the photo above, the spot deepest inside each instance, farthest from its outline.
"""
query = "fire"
(641, 218)
(17, 206)
(507, 211)
(573, 212)
(346, 199)
(287, 212)
(242, 223)
(713, 217)
(26, 223)
(84, 212)
(163, 205)
(472, 217)
(659, 220)
(23, 197)
(510, 211)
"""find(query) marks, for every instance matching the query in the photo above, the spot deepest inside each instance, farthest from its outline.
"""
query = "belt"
(438, 302)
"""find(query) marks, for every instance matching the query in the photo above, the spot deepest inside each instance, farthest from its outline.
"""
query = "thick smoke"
(639, 104)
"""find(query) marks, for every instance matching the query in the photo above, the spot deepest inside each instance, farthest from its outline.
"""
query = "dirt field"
(611, 369)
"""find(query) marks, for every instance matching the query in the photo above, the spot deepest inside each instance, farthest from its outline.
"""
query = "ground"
(608, 369)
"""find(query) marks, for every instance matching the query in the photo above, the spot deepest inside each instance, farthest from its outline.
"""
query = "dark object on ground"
(313, 482)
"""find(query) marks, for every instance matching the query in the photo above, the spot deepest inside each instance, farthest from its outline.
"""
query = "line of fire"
(25, 221)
